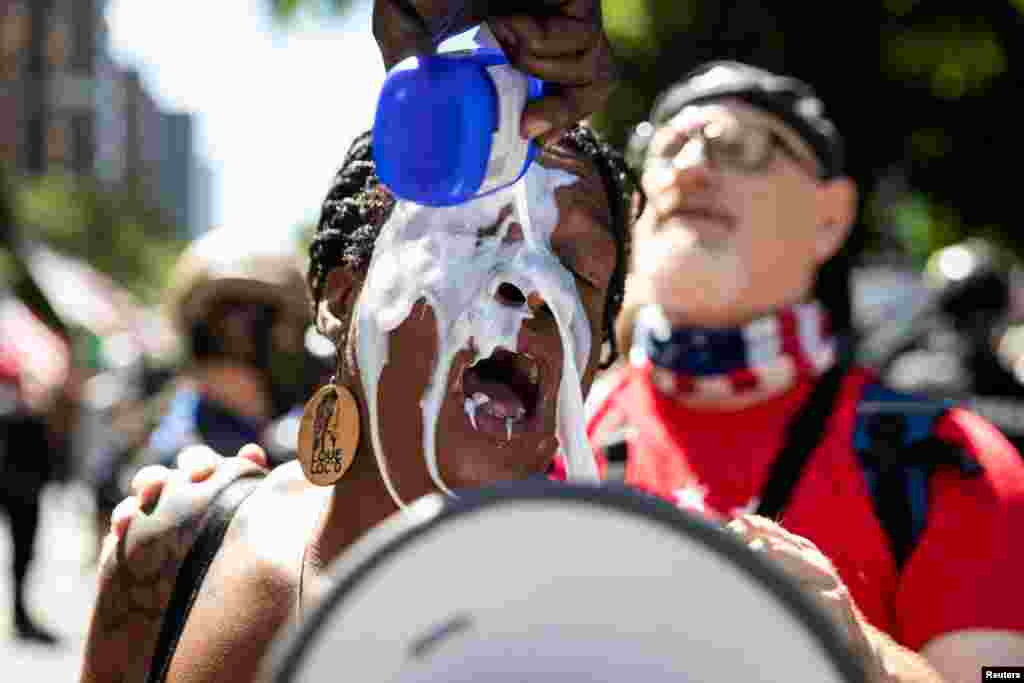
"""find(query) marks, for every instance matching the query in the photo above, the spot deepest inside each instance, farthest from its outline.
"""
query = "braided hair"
(358, 205)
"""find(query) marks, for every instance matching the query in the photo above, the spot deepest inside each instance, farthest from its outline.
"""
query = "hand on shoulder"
(561, 42)
(151, 533)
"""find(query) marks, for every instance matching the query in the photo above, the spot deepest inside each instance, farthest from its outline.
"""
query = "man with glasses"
(740, 394)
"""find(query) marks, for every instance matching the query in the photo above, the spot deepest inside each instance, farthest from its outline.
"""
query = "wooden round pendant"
(329, 434)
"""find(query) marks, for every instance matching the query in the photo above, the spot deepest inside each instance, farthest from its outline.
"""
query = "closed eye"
(587, 281)
(567, 262)
(576, 274)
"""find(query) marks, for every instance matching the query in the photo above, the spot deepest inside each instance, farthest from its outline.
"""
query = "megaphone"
(560, 582)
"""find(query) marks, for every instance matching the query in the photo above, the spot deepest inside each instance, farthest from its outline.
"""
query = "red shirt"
(965, 570)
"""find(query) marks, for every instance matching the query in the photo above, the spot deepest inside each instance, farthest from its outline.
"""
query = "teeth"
(478, 399)
(534, 373)
(473, 403)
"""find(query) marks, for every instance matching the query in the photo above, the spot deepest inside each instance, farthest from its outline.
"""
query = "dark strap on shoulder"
(616, 452)
(803, 434)
(898, 450)
(193, 571)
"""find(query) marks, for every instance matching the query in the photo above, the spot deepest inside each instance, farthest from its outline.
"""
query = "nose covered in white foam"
(456, 259)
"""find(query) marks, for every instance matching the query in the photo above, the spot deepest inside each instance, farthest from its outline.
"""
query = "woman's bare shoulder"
(152, 533)
(278, 518)
(250, 591)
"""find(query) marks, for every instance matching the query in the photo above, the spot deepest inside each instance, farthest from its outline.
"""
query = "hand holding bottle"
(562, 43)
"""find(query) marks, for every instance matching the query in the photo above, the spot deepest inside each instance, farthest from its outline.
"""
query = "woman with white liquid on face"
(468, 336)
(473, 328)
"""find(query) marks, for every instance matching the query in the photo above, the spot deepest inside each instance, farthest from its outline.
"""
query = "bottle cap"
(434, 133)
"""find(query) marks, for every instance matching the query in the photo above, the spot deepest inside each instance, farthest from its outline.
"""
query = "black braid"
(357, 206)
(620, 182)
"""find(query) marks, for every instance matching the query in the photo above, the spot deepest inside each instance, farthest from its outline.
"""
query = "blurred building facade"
(201, 197)
(67, 106)
(178, 166)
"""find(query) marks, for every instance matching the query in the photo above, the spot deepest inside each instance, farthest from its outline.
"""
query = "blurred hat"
(232, 265)
(537, 581)
(790, 99)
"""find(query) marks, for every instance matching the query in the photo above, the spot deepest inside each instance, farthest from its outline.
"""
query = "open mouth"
(503, 392)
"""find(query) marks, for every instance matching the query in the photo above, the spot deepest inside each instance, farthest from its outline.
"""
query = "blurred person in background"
(280, 442)
(242, 310)
(741, 393)
(117, 413)
(28, 461)
(250, 364)
(966, 341)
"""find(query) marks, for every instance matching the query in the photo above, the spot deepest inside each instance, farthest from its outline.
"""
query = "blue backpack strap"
(895, 442)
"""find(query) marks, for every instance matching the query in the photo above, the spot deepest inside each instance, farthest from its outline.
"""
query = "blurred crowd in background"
(96, 347)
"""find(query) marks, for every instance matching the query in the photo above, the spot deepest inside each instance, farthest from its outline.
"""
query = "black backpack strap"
(616, 453)
(803, 434)
(193, 570)
(898, 450)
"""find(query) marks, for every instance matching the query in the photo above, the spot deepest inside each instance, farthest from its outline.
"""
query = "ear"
(335, 308)
(837, 212)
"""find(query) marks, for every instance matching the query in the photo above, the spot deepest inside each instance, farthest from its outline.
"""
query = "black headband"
(790, 99)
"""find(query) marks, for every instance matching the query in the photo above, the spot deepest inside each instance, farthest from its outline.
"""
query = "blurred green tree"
(114, 230)
(286, 11)
(14, 277)
(923, 92)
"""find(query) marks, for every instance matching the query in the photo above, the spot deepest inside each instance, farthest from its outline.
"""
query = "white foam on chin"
(439, 255)
(471, 404)
(574, 329)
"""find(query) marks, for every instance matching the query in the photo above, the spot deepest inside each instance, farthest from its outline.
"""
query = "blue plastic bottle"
(447, 126)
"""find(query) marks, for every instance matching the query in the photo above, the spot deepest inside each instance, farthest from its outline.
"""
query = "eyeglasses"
(744, 148)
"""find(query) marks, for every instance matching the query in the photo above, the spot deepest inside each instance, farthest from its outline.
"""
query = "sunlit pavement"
(61, 592)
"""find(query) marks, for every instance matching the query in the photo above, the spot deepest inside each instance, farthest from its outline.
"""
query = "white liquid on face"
(439, 255)
(472, 403)
(573, 326)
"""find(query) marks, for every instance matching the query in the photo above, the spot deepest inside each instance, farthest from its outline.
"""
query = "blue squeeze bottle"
(447, 125)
